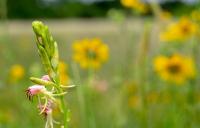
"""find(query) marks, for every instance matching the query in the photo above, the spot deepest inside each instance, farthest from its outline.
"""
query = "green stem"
(80, 95)
(64, 112)
(157, 10)
(63, 107)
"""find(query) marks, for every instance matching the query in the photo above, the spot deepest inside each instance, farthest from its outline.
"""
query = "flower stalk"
(48, 88)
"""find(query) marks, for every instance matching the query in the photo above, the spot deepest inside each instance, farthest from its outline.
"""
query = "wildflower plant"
(176, 68)
(48, 89)
(90, 53)
(137, 5)
(179, 31)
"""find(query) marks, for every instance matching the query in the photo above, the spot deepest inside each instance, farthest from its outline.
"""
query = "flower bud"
(44, 81)
(38, 27)
(46, 78)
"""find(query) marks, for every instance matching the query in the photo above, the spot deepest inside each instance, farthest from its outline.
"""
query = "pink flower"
(46, 77)
(46, 110)
(34, 90)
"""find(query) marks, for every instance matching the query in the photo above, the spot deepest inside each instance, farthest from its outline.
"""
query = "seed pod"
(41, 82)
(45, 59)
(49, 40)
(55, 57)
(46, 44)
(51, 44)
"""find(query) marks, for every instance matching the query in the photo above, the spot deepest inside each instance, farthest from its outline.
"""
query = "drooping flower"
(179, 31)
(90, 53)
(34, 90)
(176, 68)
(136, 5)
(41, 89)
(46, 109)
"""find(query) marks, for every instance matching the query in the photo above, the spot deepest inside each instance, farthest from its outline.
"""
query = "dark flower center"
(185, 29)
(91, 54)
(174, 68)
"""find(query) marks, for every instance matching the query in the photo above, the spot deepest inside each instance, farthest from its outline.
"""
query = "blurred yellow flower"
(63, 70)
(16, 72)
(179, 31)
(62, 67)
(175, 68)
(165, 15)
(90, 53)
(135, 4)
(152, 97)
(135, 101)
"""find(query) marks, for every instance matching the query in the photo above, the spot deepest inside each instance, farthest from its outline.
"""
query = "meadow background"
(149, 80)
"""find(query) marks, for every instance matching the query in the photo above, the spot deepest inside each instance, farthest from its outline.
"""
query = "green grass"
(127, 73)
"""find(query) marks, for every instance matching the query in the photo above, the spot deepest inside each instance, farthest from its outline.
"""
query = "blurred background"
(148, 76)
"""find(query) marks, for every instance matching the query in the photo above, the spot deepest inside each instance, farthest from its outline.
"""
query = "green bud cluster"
(47, 48)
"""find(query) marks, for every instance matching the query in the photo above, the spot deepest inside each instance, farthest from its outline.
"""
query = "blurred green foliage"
(28, 9)
(38, 9)
(133, 96)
